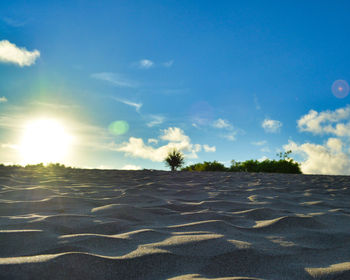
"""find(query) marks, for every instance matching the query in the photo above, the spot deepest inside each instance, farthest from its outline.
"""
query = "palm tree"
(175, 159)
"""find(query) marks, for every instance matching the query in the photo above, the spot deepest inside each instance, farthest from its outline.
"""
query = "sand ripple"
(98, 224)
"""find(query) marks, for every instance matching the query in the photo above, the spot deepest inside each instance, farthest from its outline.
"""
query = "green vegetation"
(175, 159)
(283, 165)
(38, 167)
(271, 166)
(49, 166)
(206, 166)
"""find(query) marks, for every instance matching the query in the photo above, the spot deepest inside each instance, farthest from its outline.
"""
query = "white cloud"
(271, 126)
(197, 148)
(263, 158)
(221, 123)
(329, 158)
(145, 64)
(136, 147)
(137, 106)
(260, 143)
(3, 99)
(226, 125)
(335, 145)
(175, 137)
(174, 134)
(327, 122)
(168, 63)
(231, 132)
(195, 125)
(209, 149)
(152, 141)
(10, 53)
(230, 136)
(131, 167)
(332, 157)
(155, 120)
(115, 79)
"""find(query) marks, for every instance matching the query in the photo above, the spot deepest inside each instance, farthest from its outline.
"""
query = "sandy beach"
(100, 224)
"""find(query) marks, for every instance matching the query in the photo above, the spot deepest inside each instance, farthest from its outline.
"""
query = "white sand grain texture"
(103, 224)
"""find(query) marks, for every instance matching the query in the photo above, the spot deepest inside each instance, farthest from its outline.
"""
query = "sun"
(44, 140)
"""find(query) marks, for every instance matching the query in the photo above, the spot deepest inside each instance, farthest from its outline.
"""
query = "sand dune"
(99, 224)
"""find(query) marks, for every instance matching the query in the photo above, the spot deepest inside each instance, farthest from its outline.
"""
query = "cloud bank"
(10, 53)
(329, 158)
(333, 156)
(175, 137)
(328, 122)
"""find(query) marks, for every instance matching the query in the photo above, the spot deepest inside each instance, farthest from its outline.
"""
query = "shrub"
(35, 166)
(175, 159)
(283, 165)
(272, 166)
(206, 166)
(57, 166)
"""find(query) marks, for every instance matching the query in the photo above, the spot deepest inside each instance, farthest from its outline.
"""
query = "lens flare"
(118, 127)
(340, 88)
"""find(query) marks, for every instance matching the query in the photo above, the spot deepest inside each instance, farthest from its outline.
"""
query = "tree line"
(175, 160)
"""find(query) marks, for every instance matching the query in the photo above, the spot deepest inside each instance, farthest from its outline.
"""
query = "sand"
(100, 224)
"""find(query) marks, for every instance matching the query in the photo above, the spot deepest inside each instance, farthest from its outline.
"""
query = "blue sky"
(220, 80)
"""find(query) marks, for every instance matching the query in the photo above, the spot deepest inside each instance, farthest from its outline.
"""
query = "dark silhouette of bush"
(57, 166)
(271, 166)
(34, 166)
(283, 165)
(206, 166)
(47, 166)
(175, 159)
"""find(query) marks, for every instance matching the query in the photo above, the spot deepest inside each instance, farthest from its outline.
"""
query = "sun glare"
(44, 141)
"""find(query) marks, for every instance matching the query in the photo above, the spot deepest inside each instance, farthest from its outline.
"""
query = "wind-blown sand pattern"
(96, 224)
